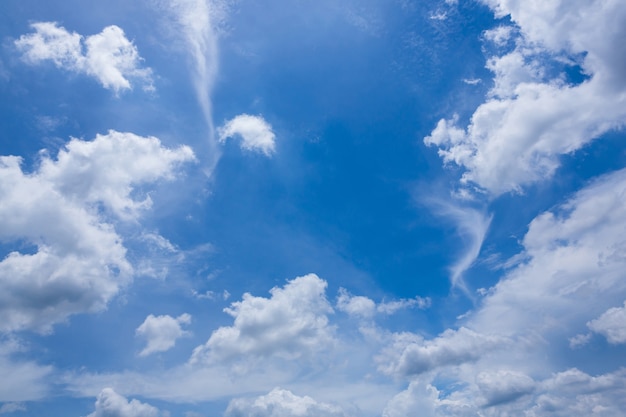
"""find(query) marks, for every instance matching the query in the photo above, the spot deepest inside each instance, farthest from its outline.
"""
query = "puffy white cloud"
(531, 118)
(161, 332)
(111, 404)
(256, 134)
(410, 354)
(110, 57)
(74, 261)
(611, 324)
(281, 403)
(291, 324)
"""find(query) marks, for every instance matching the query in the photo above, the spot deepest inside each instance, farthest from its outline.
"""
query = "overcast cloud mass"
(329, 209)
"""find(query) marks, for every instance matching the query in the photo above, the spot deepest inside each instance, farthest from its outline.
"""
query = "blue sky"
(313, 209)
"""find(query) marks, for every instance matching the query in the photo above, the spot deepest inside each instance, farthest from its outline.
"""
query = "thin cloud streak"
(196, 20)
(471, 226)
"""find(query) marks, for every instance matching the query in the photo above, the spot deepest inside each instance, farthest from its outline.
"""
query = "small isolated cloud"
(282, 403)
(161, 332)
(472, 81)
(611, 324)
(291, 324)
(110, 57)
(255, 133)
(111, 404)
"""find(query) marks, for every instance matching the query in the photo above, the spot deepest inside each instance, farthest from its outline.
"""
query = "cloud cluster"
(533, 116)
(507, 363)
(291, 324)
(111, 404)
(61, 214)
(282, 403)
(255, 133)
(161, 332)
(109, 56)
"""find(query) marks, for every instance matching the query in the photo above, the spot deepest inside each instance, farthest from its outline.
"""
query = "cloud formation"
(281, 403)
(161, 332)
(255, 133)
(611, 324)
(364, 307)
(291, 324)
(532, 116)
(73, 259)
(111, 404)
(109, 56)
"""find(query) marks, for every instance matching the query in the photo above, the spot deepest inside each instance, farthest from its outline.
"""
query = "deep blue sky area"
(312, 209)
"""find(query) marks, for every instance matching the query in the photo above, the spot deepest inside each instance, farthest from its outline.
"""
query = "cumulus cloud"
(109, 56)
(509, 393)
(281, 403)
(161, 332)
(111, 404)
(255, 133)
(74, 261)
(531, 117)
(611, 324)
(291, 324)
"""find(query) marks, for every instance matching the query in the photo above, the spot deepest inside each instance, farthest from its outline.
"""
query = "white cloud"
(355, 305)
(197, 22)
(161, 332)
(76, 261)
(572, 254)
(111, 404)
(417, 400)
(281, 403)
(291, 324)
(471, 226)
(110, 57)
(611, 324)
(256, 134)
(516, 137)
(502, 386)
(410, 354)
(360, 306)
